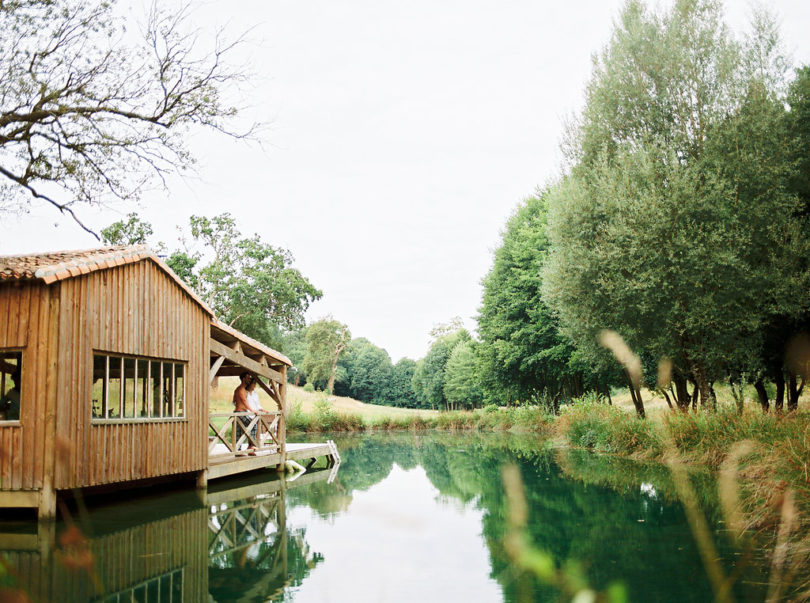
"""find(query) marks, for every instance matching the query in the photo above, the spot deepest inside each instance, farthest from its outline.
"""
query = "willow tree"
(675, 225)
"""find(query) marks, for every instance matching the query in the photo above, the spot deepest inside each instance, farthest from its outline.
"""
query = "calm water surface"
(405, 518)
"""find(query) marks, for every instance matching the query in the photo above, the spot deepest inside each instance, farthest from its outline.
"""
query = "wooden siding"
(137, 310)
(28, 315)
(122, 560)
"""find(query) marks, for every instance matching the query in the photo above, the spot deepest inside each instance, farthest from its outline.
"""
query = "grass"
(221, 401)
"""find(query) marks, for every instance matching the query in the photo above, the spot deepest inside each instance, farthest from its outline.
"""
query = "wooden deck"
(223, 466)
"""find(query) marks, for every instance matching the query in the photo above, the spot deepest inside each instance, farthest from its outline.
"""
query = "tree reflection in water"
(615, 519)
(618, 520)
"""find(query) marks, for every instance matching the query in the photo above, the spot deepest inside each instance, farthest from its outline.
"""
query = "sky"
(400, 137)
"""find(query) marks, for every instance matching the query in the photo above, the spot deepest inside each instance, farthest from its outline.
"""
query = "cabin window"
(129, 388)
(10, 384)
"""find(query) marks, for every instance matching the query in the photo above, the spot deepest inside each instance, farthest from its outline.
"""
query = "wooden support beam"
(212, 374)
(243, 361)
(271, 391)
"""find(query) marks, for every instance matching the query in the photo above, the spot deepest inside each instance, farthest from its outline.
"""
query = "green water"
(405, 518)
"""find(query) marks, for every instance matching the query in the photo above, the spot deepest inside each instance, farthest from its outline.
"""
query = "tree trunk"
(694, 399)
(682, 398)
(762, 395)
(666, 397)
(780, 391)
(794, 391)
(635, 395)
(702, 383)
(330, 385)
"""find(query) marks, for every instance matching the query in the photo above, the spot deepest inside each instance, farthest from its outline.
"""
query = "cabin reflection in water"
(234, 545)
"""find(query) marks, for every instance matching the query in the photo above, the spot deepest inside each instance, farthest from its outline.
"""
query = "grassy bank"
(780, 454)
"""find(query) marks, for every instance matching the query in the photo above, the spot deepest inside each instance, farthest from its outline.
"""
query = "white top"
(253, 401)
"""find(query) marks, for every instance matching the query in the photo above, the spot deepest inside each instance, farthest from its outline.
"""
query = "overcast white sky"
(402, 135)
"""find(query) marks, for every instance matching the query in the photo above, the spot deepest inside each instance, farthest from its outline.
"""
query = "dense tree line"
(446, 378)
(681, 222)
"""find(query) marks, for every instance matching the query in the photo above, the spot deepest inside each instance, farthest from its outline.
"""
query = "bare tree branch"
(97, 112)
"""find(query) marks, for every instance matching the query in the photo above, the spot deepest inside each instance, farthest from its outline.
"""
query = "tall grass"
(326, 418)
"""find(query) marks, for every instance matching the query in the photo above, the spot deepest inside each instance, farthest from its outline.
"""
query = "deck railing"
(239, 438)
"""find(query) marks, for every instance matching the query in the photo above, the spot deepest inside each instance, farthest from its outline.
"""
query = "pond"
(404, 518)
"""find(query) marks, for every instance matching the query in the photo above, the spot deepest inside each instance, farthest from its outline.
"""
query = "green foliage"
(368, 372)
(326, 340)
(429, 376)
(251, 285)
(132, 231)
(521, 346)
(461, 385)
(676, 226)
(294, 345)
(297, 419)
(309, 387)
(401, 386)
(607, 429)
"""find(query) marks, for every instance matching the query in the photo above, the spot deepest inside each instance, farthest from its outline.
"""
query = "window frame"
(21, 351)
(139, 380)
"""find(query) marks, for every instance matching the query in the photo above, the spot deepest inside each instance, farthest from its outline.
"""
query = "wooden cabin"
(106, 357)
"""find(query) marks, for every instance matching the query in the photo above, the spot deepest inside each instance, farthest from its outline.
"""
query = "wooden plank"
(297, 452)
(47, 503)
(19, 499)
(242, 465)
(214, 368)
(34, 440)
(251, 365)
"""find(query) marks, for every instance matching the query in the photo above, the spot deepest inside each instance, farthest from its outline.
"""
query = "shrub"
(297, 419)
(308, 387)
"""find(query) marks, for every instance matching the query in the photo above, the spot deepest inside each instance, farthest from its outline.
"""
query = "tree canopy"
(327, 340)
(521, 347)
(676, 225)
(250, 284)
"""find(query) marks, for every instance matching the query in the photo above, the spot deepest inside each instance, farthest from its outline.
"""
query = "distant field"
(221, 401)
(222, 395)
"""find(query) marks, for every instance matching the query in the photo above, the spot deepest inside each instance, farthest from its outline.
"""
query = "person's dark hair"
(15, 377)
(243, 375)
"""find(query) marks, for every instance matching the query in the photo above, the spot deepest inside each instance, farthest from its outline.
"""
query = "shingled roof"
(59, 265)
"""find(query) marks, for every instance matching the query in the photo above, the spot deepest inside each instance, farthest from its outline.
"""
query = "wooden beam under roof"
(246, 363)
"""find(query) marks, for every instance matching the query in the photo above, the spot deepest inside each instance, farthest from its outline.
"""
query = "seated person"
(10, 403)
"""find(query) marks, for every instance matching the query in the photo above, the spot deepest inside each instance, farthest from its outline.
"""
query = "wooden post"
(47, 500)
(202, 479)
(282, 420)
(47, 496)
(46, 540)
